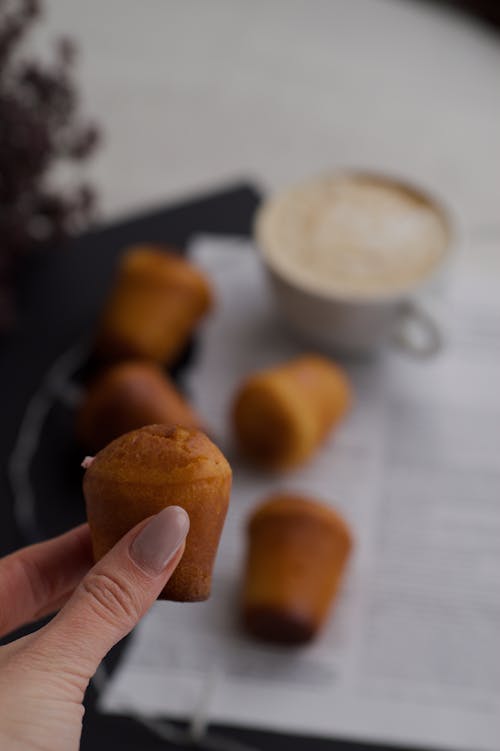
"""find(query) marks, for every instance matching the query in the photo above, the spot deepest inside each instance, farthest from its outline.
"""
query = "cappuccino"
(353, 236)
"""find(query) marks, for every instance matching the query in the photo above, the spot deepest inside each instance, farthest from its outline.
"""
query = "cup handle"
(416, 331)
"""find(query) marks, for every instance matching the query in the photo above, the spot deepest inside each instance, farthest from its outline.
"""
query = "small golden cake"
(297, 552)
(127, 396)
(281, 415)
(157, 300)
(142, 472)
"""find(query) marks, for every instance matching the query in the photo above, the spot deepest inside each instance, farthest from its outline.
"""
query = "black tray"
(61, 296)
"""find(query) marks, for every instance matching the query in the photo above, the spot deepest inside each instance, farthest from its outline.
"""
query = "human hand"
(43, 676)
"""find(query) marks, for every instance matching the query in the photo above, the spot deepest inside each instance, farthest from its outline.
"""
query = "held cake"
(142, 472)
(297, 551)
(128, 396)
(281, 415)
(157, 300)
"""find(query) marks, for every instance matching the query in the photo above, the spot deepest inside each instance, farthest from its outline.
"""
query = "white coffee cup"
(311, 241)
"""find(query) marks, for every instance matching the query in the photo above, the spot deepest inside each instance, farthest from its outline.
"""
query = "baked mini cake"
(142, 472)
(281, 415)
(297, 552)
(128, 396)
(157, 300)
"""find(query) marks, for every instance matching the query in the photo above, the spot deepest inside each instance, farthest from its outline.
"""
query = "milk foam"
(353, 235)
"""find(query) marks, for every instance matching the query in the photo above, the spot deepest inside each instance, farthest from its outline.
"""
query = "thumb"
(114, 595)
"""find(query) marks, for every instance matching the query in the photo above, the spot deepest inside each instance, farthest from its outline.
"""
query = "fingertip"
(156, 544)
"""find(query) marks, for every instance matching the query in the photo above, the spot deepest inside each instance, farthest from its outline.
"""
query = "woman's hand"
(43, 676)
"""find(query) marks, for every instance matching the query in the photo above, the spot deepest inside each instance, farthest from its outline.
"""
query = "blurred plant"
(40, 129)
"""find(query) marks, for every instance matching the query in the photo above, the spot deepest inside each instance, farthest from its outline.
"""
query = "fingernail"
(159, 540)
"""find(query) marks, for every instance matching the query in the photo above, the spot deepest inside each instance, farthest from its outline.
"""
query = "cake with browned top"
(157, 299)
(142, 472)
(282, 414)
(297, 552)
(128, 396)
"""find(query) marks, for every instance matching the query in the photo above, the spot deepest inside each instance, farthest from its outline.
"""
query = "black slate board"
(61, 296)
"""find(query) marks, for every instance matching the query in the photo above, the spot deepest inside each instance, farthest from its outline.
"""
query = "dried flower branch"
(40, 128)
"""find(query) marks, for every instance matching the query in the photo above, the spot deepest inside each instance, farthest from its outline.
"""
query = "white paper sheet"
(411, 653)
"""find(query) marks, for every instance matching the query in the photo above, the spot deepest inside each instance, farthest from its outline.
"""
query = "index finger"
(34, 579)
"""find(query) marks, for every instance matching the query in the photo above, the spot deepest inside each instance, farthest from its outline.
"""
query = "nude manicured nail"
(159, 540)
